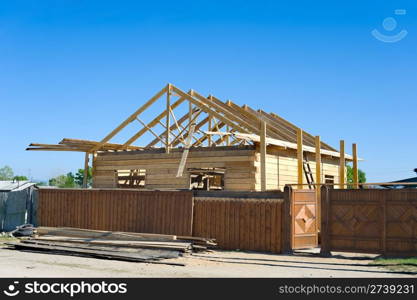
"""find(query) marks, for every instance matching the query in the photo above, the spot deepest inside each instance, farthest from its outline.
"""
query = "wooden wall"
(242, 167)
(281, 168)
(161, 168)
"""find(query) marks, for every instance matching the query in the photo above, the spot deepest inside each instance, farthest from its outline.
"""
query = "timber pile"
(127, 246)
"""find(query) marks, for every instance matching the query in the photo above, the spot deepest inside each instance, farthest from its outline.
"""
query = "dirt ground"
(15, 263)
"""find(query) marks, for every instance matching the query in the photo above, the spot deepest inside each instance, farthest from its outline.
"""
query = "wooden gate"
(304, 227)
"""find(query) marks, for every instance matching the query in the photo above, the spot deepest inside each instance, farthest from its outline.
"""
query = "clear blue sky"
(78, 68)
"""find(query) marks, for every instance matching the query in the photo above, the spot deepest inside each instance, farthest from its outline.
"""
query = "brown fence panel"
(370, 221)
(235, 223)
(162, 212)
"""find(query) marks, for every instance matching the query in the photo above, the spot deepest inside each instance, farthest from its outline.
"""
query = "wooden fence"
(369, 221)
(236, 223)
(117, 210)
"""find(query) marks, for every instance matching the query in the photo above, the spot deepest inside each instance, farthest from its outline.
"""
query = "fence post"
(325, 206)
(384, 224)
(192, 213)
(287, 221)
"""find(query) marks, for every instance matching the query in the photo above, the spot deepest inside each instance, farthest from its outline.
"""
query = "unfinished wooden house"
(197, 142)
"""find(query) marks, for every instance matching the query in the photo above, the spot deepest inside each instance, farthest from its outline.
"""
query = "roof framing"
(206, 116)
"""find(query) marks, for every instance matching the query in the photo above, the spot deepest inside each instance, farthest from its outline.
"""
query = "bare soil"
(15, 263)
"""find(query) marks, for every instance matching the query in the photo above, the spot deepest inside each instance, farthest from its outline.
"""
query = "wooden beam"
(235, 116)
(355, 167)
(190, 115)
(179, 127)
(185, 153)
(300, 158)
(262, 151)
(152, 123)
(305, 134)
(198, 126)
(318, 164)
(93, 165)
(318, 180)
(85, 179)
(150, 130)
(184, 135)
(209, 110)
(55, 149)
(130, 119)
(180, 121)
(227, 136)
(274, 129)
(222, 138)
(59, 146)
(167, 126)
(342, 165)
(210, 127)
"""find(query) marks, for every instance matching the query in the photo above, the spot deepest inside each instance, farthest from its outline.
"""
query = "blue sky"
(78, 68)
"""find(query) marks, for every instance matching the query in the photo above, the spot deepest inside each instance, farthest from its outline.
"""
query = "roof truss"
(205, 115)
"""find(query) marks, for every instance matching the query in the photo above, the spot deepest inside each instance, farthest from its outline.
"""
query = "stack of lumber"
(128, 246)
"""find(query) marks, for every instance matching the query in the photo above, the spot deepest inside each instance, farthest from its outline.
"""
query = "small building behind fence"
(17, 204)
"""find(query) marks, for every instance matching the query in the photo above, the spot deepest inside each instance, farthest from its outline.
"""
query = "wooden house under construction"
(212, 145)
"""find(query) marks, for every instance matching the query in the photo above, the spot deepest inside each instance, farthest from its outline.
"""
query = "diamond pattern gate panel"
(370, 221)
(304, 219)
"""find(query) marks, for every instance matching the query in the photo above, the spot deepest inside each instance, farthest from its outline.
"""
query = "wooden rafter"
(198, 126)
(222, 108)
(150, 130)
(130, 119)
(206, 136)
(242, 121)
(208, 109)
(152, 123)
(175, 141)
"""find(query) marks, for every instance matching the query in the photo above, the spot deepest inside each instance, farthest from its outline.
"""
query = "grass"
(397, 264)
(5, 239)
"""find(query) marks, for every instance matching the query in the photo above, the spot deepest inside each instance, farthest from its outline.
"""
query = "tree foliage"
(71, 180)
(6, 173)
(349, 174)
(63, 181)
(79, 177)
(20, 178)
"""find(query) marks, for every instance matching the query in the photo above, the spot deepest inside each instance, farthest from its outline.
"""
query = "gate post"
(286, 221)
(325, 205)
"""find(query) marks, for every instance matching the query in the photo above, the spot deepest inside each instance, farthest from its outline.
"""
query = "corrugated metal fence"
(117, 210)
(17, 208)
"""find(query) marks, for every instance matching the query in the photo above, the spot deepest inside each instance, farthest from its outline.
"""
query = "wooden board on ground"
(103, 235)
(126, 256)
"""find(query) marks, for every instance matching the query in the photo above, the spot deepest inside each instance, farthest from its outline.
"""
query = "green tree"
(20, 178)
(79, 177)
(349, 174)
(63, 181)
(6, 173)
